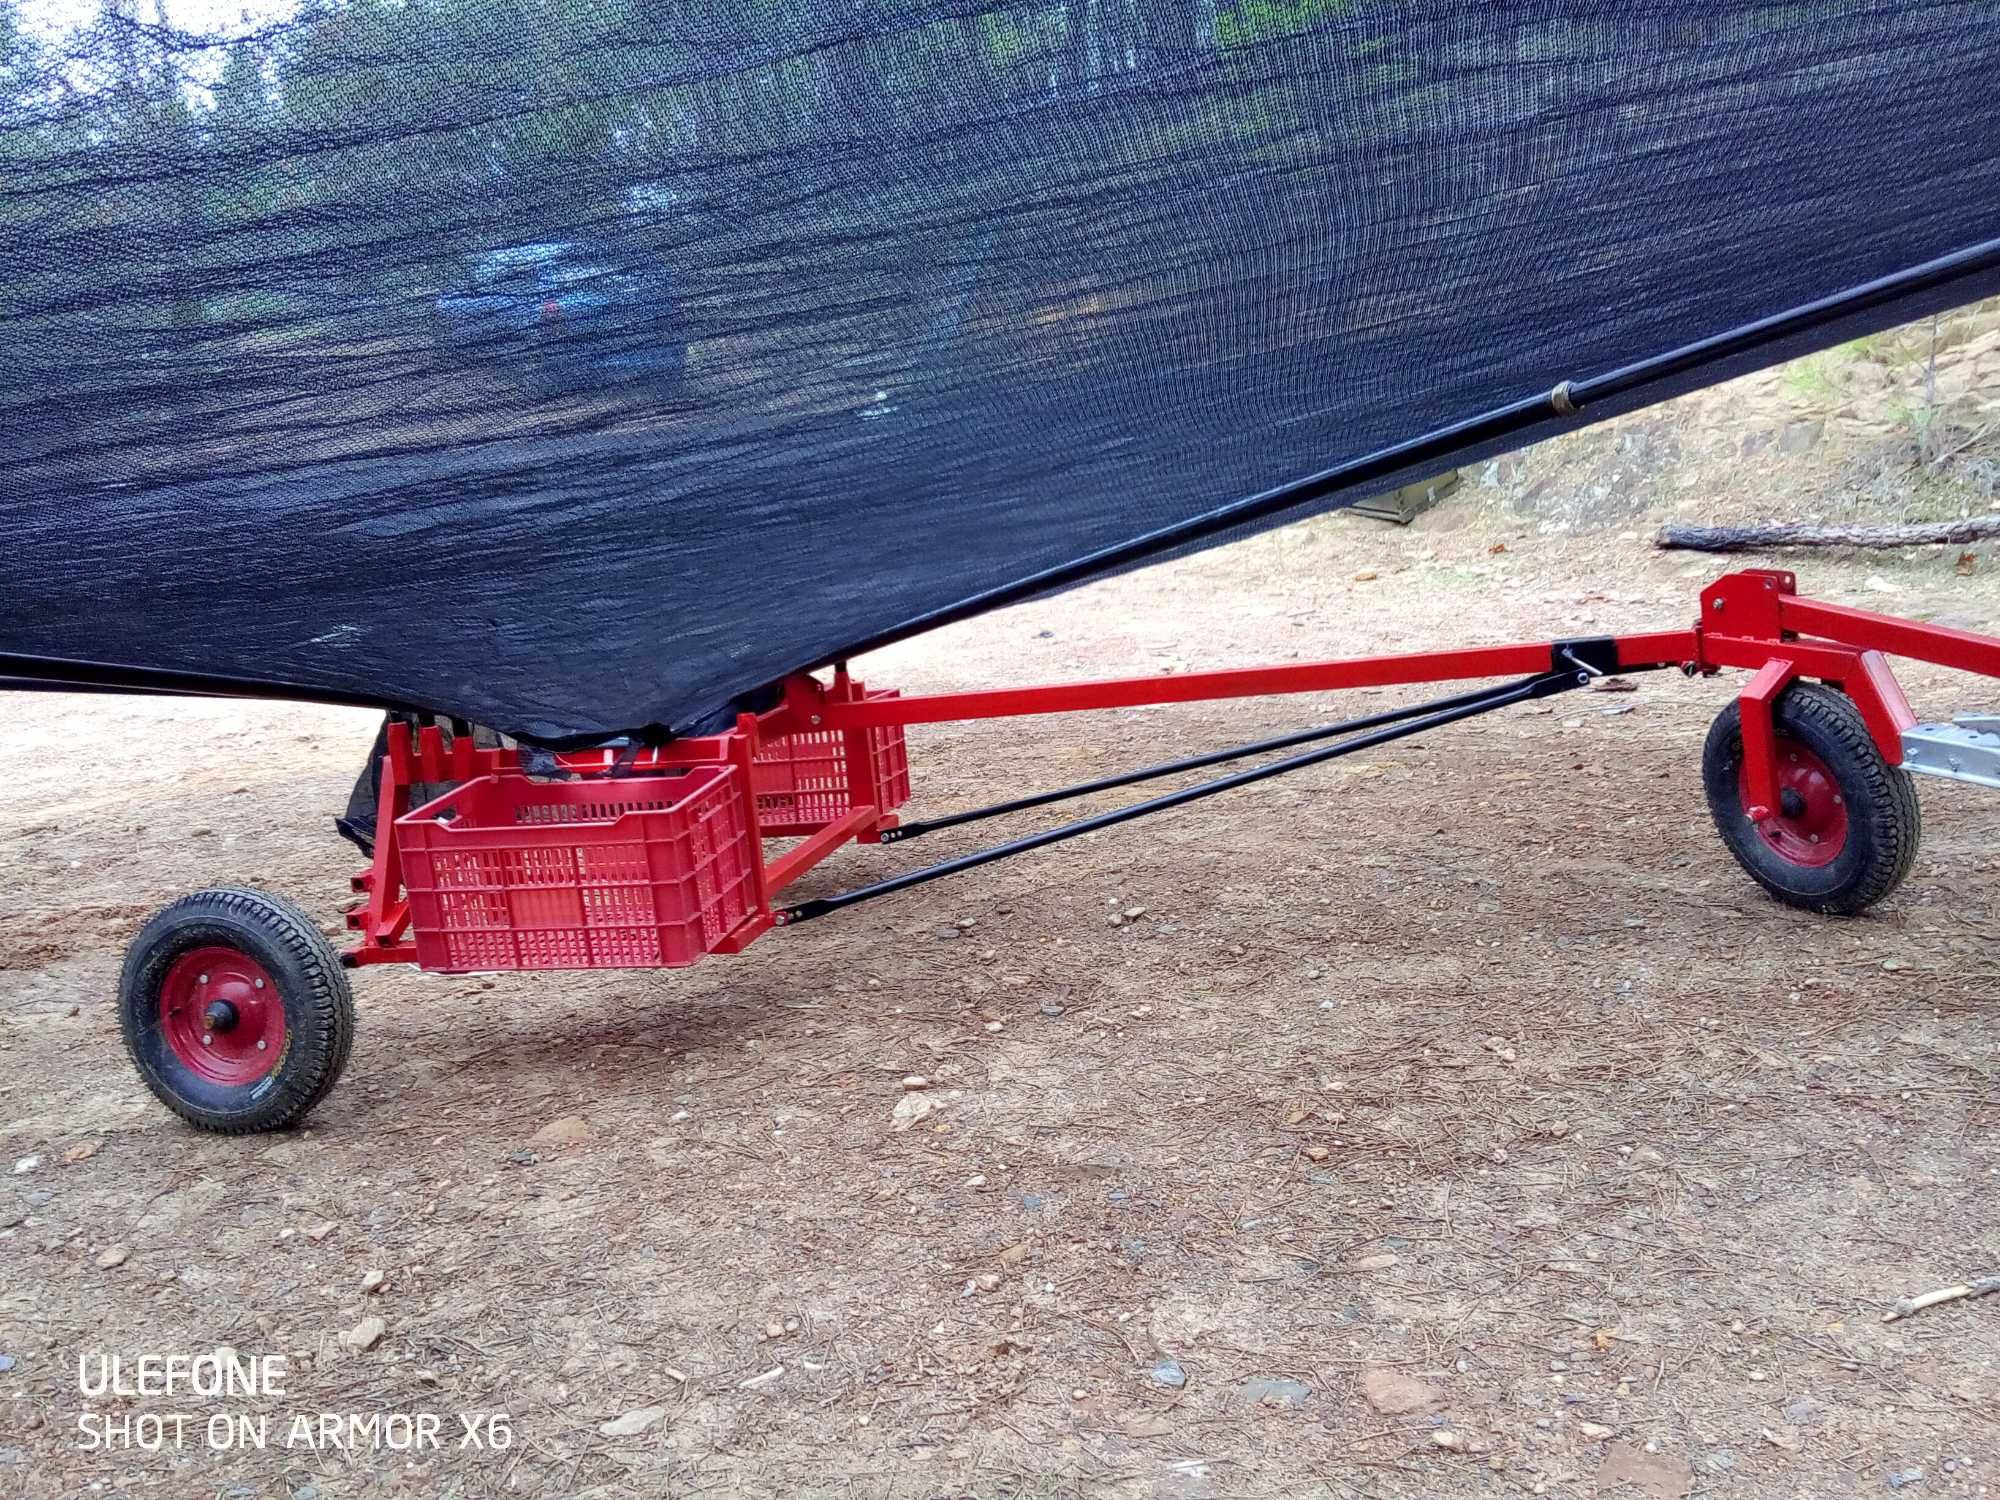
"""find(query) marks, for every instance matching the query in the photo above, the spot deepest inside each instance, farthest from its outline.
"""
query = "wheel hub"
(1810, 826)
(222, 1016)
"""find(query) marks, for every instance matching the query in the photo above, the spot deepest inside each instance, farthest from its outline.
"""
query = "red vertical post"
(1760, 746)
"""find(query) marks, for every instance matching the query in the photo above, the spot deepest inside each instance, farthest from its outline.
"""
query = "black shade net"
(573, 368)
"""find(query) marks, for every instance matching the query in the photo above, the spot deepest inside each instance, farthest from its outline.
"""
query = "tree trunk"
(1783, 534)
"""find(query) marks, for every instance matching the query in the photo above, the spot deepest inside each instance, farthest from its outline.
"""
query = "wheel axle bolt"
(208, 1039)
(260, 984)
(203, 979)
(260, 1046)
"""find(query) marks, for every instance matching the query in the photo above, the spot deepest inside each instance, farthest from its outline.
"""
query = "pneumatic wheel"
(1846, 828)
(235, 1010)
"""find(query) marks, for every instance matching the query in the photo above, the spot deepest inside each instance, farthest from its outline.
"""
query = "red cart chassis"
(239, 1015)
(1753, 620)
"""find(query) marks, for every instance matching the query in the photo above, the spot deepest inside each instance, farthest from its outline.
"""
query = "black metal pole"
(1494, 698)
(903, 833)
(63, 675)
(1563, 401)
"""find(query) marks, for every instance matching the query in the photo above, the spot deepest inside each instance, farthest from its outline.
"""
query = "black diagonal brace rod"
(1448, 711)
(904, 832)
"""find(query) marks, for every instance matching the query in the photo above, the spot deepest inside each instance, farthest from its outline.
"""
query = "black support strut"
(1419, 719)
(904, 832)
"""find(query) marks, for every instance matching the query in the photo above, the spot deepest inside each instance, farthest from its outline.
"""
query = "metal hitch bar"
(1376, 729)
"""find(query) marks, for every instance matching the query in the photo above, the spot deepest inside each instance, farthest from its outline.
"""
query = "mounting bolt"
(260, 1045)
(1718, 606)
(202, 979)
(208, 1039)
(260, 984)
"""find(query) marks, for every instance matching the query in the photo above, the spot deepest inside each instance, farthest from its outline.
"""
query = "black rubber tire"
(1883, 821)
(318, 1004)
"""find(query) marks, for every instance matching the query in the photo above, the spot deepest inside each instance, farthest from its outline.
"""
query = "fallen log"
(1790, 534)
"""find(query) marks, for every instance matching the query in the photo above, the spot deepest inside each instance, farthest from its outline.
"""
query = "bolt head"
(261, 1045)
(201, 979)
(260, 984)
(208, 1039)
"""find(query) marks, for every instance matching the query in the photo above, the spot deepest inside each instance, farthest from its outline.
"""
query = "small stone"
(1898, 1479)
(364, 1335)
(1150, 1425)
(994, 1028)
(916, 1081)
(113, 1257)
(373, 1282)
(1316, 1153)
(679, 1117)
(774, 1330)
(1448, 1440)
(1169, 1373)
(1395, 1394)
(321, 1230)
(83, 1151)
(976, 1180)
(1133, 913)
(987, 1281)
(1277, 1392)
(1800, 437)
(1379, 1262)
(966, 924)
(909, 1110)
(1141, 1012)
(1366, 575)
(641, 1419)
(1758, 1376)
(570, 1130)
(26, 1165)
(1646, 1156)
(1595, 1430)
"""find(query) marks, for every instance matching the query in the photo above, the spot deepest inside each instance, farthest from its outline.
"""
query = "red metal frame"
(1751, 620)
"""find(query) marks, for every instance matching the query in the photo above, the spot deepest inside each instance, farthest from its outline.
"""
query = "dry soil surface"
(1453, 1120)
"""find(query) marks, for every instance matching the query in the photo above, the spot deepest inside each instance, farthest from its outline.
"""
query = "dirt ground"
(1454, 1120)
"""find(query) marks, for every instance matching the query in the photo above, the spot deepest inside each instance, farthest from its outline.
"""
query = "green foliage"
(1257, 21)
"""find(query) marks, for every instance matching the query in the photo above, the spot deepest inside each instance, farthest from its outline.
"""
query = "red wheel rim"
(1810, 826)
(222, 1016)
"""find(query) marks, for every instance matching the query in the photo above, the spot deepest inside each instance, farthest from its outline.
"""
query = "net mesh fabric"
(577, 368)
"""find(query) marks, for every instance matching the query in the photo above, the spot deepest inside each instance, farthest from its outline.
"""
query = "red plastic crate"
(801, 779)
(636, 872)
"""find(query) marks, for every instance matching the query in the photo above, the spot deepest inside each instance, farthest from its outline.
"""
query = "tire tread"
(327, 1001)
